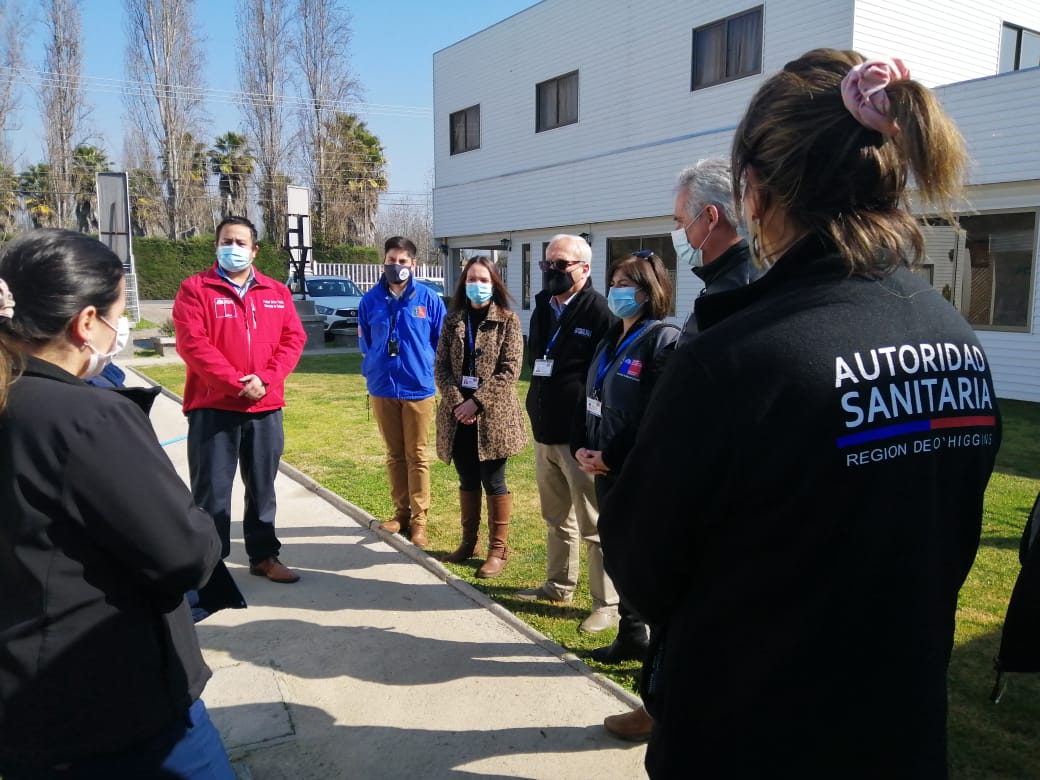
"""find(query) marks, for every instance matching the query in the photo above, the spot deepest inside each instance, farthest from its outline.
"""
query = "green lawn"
(331, 436)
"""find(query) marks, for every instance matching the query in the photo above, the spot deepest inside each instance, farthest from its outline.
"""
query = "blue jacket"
(414, 320)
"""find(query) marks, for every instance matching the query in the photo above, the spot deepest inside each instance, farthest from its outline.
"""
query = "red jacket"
(223, 337)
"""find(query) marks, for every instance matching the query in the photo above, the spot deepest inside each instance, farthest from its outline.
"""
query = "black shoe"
(619, 651)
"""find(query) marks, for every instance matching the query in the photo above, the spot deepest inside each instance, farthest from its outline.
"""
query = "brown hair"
(650, 274)
(836, 178)
(499, 294)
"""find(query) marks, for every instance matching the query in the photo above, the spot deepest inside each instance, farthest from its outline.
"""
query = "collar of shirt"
(558, 307)
(240, 289)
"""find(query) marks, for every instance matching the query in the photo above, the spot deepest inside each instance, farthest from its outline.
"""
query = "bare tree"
(163, 52)
(61, 99)
(321, 49)
(263, 41)
(412, 218)
(13, 30)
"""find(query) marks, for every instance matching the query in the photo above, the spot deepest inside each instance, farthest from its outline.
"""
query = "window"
(728, 49)
(984, 266)
(659, 245)
(465, 130)
(557, 101)
(998, 276)
(525, 273)
(1019, 48)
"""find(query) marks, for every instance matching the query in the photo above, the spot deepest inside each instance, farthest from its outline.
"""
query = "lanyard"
(394, 316)
(605, 365)
(472, 346)
(549, 346)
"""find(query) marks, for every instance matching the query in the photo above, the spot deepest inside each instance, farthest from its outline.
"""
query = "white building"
(576, 116)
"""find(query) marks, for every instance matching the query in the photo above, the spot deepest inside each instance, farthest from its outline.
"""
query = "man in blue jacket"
(399, 323)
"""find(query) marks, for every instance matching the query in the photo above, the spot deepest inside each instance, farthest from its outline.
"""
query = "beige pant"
(568, 498)
(405, 427)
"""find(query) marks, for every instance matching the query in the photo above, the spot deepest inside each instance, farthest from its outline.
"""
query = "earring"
(756, 245)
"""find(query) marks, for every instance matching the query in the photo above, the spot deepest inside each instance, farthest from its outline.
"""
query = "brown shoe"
(634, 726)
(396, 526)
(418, 533)
(274, 570)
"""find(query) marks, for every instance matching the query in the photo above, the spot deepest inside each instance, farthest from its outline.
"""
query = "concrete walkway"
(380, 663)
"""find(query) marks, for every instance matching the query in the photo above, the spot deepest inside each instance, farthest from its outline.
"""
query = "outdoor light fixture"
(506, 244)
(587, 237)
(444, 248)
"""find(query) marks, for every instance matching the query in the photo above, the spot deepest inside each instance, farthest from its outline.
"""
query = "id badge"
(594, 406)
(470, 382)
(542, 367)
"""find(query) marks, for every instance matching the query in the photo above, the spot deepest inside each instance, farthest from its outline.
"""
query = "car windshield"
(432, 284)
(332, 288)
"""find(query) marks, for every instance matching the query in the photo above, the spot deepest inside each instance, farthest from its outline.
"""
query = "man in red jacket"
(240, 336)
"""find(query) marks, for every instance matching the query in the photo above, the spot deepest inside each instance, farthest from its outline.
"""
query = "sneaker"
(274, 570)
(541, 593)
(634, 726)
(600, 620)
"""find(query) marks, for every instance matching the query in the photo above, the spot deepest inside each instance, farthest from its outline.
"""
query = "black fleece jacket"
(551, 400)
(799, 511)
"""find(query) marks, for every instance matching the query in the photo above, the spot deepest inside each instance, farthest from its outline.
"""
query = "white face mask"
(98, 360)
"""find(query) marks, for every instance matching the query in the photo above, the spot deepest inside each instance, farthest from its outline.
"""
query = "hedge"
(162, 264)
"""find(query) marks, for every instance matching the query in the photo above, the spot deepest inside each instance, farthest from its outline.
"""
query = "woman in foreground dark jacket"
(100, 668)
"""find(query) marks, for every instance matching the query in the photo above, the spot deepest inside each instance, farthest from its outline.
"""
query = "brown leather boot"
(418, 532)
(498, 532)
(398, 525)
(469, 507)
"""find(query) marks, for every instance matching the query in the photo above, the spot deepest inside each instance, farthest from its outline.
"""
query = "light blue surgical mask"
(233, 258)
(690, 255)
(622, 301)
(479, 292)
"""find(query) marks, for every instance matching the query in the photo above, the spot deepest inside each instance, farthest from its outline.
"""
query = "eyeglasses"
(643, 254)
(558, 265)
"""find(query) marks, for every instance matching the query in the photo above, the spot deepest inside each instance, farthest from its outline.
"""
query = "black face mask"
(557, 282)
(395, 274)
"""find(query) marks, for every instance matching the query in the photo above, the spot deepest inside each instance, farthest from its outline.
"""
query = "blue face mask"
(234, 258)
(479, 292)
(685, 253)
(622, 301)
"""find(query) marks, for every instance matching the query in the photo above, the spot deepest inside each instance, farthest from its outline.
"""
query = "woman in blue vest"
(621, 377)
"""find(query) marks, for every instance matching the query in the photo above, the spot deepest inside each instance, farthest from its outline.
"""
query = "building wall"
(612, 173)
(940, 41)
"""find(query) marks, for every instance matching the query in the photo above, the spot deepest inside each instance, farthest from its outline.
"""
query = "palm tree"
(37, 191)
(87, 162)
(357, 170)
(231, 161)
(8, 200)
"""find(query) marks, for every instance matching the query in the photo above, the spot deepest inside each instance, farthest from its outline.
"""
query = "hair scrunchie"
(863, 93)
(6, 301)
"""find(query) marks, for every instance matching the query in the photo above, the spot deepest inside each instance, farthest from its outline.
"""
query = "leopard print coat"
(499, 345)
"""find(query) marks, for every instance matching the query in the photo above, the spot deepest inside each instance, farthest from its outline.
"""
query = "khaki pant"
(405, 427)
(568, 499)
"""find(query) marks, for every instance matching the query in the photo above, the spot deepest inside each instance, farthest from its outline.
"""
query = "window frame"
(465, 115)
(726, 78)
(540, 122)
(1020, 33)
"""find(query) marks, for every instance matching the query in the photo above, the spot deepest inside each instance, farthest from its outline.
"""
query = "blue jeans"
(186, 750)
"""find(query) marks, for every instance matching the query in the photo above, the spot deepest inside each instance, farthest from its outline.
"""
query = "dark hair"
(838, 179)
(499, 294)
(237, 221)
(650, 274)
(53, 275)
(400, 242)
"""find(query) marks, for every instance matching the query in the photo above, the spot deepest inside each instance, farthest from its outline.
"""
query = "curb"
(436, 568)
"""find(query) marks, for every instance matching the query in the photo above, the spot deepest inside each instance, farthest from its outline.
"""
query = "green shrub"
(162, 264)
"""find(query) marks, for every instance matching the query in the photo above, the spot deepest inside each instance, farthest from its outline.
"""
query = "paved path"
(381, 664)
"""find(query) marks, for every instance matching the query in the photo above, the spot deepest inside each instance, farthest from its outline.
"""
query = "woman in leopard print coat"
(479, 422)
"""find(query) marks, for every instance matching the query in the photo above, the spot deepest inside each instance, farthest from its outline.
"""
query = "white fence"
(365, 275)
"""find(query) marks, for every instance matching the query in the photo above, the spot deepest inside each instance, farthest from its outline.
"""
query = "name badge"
(470, 382)
(542, 367)
(594, 406)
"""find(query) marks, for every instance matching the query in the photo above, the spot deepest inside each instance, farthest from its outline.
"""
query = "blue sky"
(392, 56)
